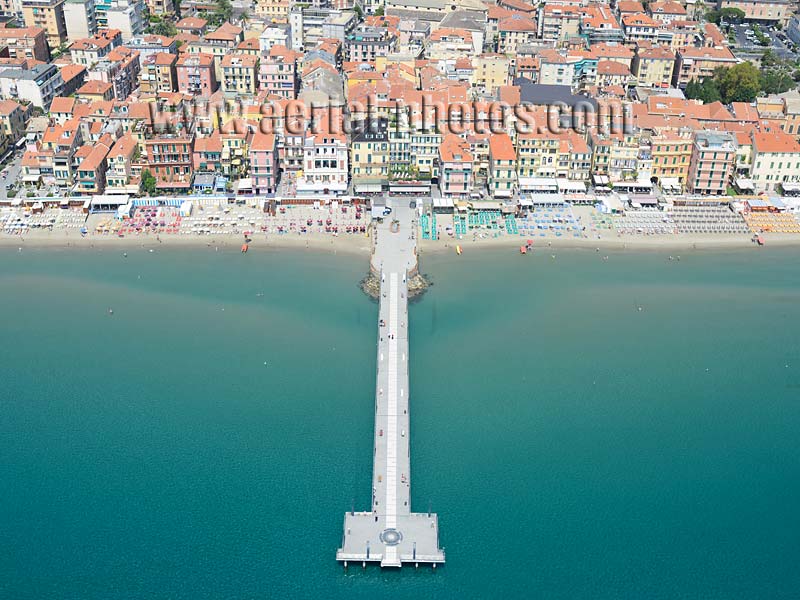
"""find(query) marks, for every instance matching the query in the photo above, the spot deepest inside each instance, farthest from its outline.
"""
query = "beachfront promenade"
(390, 533)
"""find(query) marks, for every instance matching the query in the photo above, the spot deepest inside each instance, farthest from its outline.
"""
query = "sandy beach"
(289, 231)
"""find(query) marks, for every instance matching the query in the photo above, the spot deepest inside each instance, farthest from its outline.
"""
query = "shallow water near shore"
(573, 445)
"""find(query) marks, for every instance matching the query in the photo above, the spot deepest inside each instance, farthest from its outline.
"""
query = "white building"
(127, 16)
(81, 19)
(273, 36)
(325, 167)
(38, 85)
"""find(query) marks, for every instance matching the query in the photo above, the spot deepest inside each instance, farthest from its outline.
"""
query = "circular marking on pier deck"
(391, 537)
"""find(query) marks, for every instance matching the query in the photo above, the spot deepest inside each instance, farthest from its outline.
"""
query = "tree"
(740, 83)
(727, 15)
(166, 28)
(223, 11)
(732, 15)
(379, 12)
(769, 59)
(358, 11)
(148, 182)
(706, 90)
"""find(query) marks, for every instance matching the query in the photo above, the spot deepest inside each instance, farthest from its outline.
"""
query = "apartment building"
(654, 66)
(37, 85)
(25, 42)
(88, 51)
(169, 159)
(502, 181)
(239, 74)
(699, 63)
(80, 18)
(455, 168)
(196, 74)
(120, 177)
(49, 15)
(278, 72)
(711, 165)
(158, 74)
(264, 162)
(776, 160)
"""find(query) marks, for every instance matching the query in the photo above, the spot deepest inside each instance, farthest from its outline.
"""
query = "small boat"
(760, 240)
(523, 250)
(244, 248)
(458, 250)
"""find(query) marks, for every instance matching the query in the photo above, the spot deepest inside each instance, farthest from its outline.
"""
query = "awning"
(539, 184)
(613, 203)
(368, 187)
(671, 184)
(567, 186)
(443, 203)
(484, 205)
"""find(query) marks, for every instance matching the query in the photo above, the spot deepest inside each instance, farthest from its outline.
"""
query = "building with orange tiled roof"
(776, 160)
(666, 11)
(629, 7)
(264, 162)
(502, 180)
(514, 31)
(96, 90)
(699, 63)
(599, 24)
(278, 73)
(158, 74)
(25, 42)
(239, 74)
(455, 168)
(196, 74)
(654, 66)
(88, 51)
(557, 22)
(120, 176)
(91, 172)
(639, 28)
(194, 25)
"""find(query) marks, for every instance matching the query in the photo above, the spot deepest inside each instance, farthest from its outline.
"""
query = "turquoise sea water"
(572, 445)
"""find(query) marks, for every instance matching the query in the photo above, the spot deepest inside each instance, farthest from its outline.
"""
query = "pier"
(389, 533)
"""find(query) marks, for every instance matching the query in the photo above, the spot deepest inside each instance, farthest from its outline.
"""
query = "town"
(564, 118)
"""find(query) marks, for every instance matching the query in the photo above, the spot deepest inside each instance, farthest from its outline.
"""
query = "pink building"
(455, 168)
(264, 163)
(196, 74)
(277, 73)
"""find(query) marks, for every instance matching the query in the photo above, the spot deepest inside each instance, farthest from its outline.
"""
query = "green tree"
(732, 15)
(223, 11)
(166, 28)
(379, 12)
(740, 83)
(769, 59)
(148, 182)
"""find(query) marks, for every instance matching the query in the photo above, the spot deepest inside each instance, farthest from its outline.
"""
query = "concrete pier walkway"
(390, 533)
